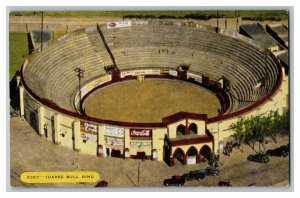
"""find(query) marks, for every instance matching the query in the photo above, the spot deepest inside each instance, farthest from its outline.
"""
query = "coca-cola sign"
(140, 132)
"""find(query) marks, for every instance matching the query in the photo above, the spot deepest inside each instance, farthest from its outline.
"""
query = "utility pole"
(139, 175)
(42, 30)
(217, 21)
(79, 72)
(237, 20)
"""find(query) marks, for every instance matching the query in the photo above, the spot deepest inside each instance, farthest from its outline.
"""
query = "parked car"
(282, 151)
(211, 171)
(286, 148)
(102, 183)
(224, 183)
(259, 157)
(194, 175)
(174, 181)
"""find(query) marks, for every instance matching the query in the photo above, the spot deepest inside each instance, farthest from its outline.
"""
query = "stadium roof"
(36, 34)
(278, 28)
(258, 33)
(284, 57)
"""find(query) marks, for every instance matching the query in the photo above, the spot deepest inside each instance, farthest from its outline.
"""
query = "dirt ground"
(150, 101)
(30, 152)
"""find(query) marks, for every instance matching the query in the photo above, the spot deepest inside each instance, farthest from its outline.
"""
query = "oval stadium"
(154, 89)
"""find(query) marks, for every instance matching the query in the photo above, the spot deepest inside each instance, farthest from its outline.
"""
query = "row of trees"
(257, 129)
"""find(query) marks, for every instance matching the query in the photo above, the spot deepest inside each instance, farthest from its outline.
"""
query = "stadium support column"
(41, 114)
(76, 128)
(57, 128)
(21, 101)
(101, 142)
(158, 143)
(127, 143)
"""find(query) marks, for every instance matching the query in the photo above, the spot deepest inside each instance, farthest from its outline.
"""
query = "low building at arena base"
(179, 138)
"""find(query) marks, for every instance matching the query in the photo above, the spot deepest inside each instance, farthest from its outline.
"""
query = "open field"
(30, 152)
(18, 52)
(150, 101)
(193, 14)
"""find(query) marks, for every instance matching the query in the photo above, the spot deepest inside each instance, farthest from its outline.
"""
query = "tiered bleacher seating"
(206, 52)
(151, 46)
(51, 73)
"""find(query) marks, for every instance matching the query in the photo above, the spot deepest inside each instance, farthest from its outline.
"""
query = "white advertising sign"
(118, 24)
(88, 87)
(89, 136)
(173, 73)
(126, 73)
(140, 72)
(196, 77)
(114, 141)
(140, 144)
(114, 131)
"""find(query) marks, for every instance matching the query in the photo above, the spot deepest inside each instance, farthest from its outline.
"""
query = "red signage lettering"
(140, 132)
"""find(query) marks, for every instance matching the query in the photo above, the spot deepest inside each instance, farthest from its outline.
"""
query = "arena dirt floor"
(30, 152)
(149, 101)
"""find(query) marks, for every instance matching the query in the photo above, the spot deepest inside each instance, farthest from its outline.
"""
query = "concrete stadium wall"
(278, 102)
(66, 130)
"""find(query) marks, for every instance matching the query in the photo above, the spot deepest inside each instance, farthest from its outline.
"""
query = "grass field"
(203, 14)
(18, 52)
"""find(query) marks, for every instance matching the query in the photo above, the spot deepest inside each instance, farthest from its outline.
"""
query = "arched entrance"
(116, 153)
(180, 130)
(205, 153)
(192, 155)
(141, 155)
(179, 155)
(193, 128)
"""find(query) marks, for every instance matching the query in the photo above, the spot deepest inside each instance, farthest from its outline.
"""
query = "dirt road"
(65, 24)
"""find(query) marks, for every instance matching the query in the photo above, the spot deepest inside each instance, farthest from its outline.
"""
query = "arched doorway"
(205, 153)
(141, 155)
(180, 130)
(179, 155)
(193, 128)
(116, 153)
(191, 155)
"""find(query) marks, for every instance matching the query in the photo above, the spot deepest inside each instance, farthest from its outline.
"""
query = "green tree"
(256, 129)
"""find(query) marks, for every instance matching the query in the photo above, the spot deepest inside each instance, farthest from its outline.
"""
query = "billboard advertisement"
(120, 24)
(114, 131)
(89, 131)
(140, 132)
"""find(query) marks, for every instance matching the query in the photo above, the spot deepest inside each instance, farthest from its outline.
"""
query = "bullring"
(244, 78)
